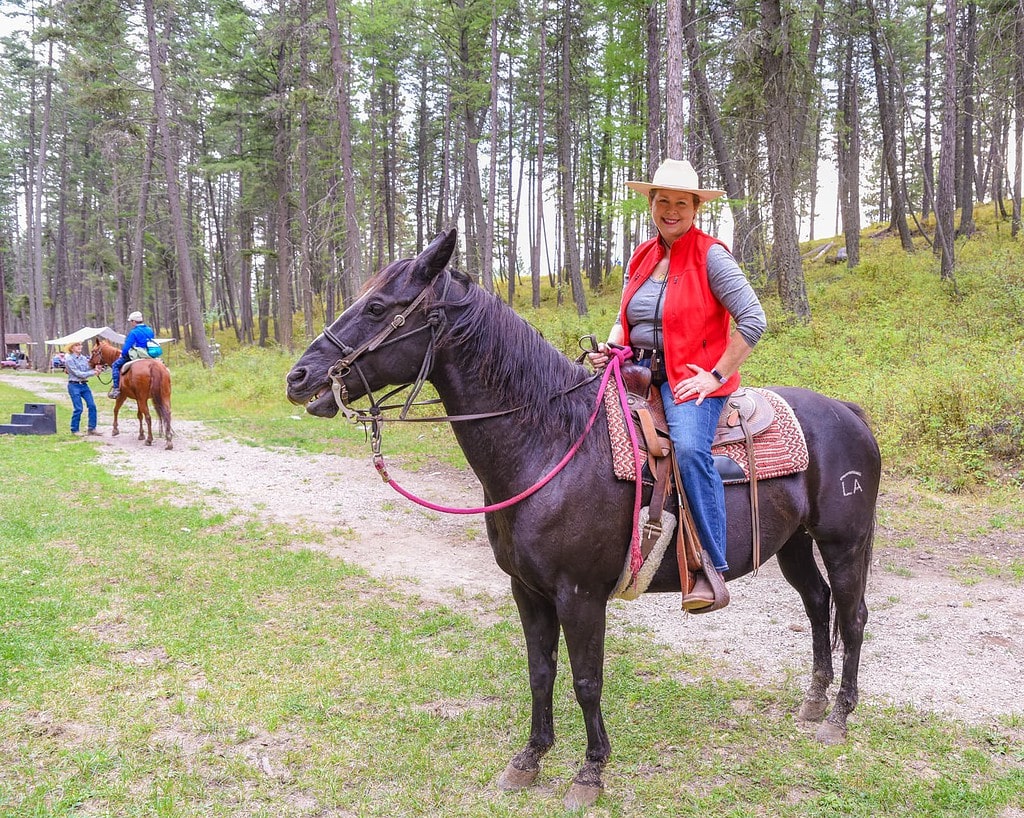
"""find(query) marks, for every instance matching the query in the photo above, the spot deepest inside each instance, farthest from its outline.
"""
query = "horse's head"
(96, 357)
(382, 339)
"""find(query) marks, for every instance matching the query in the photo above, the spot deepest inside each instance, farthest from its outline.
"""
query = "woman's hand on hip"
(702, 383)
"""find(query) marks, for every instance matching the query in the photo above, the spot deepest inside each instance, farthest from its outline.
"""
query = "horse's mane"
(517, 364)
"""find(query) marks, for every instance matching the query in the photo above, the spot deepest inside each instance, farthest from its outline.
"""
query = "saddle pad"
(618, 435)
(780, 449)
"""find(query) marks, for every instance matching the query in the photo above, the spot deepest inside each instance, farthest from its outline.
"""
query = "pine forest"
(246, 165)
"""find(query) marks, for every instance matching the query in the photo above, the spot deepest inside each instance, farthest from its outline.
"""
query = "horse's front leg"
(540, 626)
(583, 613)
(114, 432)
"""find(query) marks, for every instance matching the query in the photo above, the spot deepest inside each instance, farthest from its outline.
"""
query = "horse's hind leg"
(847, 567)
(540, 626)
(796, 559)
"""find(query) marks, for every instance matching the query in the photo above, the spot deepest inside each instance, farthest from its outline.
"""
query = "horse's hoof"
(581, 796)
(831, 734)
(515, 779)
(114, 433)
(813, 710)
(169, 446)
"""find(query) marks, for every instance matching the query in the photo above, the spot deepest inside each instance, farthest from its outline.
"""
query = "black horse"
(565, 545)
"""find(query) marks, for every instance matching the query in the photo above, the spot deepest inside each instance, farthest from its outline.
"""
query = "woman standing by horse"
(79, 370)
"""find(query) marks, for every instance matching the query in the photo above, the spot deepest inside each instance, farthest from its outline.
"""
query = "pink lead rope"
(619, 355)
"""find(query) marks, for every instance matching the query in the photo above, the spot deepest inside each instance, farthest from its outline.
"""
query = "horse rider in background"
(138, 336)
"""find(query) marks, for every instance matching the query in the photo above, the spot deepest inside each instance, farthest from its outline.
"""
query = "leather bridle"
(350, 355)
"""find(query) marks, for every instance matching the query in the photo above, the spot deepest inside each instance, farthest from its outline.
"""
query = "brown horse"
(146, 379)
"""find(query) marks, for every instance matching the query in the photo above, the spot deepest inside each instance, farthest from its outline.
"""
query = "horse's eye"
(376, 309)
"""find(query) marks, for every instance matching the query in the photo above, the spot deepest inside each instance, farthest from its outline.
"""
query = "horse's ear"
(438, 253)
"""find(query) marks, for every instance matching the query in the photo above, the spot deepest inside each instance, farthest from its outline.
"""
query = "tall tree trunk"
(1018, 104)
(187, 280)
(944, 201)
(352, 274)
(565, 165)
(929, 161)
(887, 120)
(305, 230)
(848, 142)
(967, 172)
(653, 131)
(781, 131)
(282, 186)
(674, 86)
(246, 328)
(538, 240)
(37, 306)
(747, 244)
(487, 269)
(139, 235)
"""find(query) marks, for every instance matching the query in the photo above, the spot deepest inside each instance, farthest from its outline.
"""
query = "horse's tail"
(869, 546)
(160, 394)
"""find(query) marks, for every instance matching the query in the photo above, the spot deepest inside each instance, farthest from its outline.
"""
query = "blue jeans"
(80, 392)
(692, 429)
(115, 368)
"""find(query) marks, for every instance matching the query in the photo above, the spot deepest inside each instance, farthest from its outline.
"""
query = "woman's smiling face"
(672, 212)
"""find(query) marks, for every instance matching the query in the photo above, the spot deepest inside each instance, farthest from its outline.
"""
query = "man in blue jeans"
(138, 336)
(77, 367)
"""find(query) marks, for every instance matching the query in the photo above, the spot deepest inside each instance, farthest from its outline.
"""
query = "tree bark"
(139, 235)
(848, 144)
(282, 188)
(944, 201)
(197, 333)
(538, 239)
(887, 119)
(653, 129)
(674, 86)
(352, 275)
(929, 160)
(492, 161)
(1018, 131)
(967, 170)
(565, 166)
(37, 306)
(781, 132)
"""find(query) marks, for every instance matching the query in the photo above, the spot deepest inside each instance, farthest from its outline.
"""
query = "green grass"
(166, 661)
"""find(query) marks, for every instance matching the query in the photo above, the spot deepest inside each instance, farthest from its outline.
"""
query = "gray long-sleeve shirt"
(77, 367)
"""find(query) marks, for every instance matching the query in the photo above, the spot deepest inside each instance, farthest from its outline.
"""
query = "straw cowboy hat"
(675, 174)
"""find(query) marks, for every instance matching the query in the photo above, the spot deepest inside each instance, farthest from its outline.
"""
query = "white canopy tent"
(87, 334)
